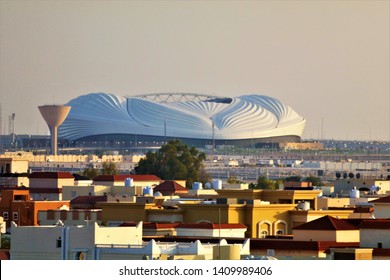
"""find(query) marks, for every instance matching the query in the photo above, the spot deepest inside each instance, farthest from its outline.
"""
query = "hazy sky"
(328, 60)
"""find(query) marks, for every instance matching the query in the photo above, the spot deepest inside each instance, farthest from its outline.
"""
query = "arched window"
(263, 234)
(280, 227)
(264, 228)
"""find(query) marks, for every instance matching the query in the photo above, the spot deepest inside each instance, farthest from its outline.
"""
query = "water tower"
(54, 116)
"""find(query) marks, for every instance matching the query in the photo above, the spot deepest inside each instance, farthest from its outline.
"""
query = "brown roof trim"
(381, 252)
(385, 199)
(326, 223)
(51, 175)
(45, 190)
(122, 177)
(376, 224)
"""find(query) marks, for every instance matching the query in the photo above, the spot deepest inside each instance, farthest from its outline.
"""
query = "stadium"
(195, 119)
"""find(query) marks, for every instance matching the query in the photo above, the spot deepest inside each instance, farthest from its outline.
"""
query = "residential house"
(48, 185)
(120, 179)
(327, 228)
(169, 187)
(17, 206)
(382, 207)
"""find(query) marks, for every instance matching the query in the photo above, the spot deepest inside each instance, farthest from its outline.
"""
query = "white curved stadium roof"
(242, 117)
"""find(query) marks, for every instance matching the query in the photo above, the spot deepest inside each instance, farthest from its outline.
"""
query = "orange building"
(17, 206)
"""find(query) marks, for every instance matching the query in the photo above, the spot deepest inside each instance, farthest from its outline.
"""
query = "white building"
(61, 242)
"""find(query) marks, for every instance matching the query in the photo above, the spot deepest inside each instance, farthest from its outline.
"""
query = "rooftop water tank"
(354, 193)
(217, 184)
(128, 182)
(207, 185)
(147, 191)
(304, 206)
(197, 186)
(374, 189)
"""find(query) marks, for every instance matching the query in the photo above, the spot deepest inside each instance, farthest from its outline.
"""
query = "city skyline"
(329, 60)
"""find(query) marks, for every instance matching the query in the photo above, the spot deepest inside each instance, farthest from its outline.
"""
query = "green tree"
(315, 181)
(90, 172)
(233, 180)
(5, 242)
(175, 161)
(109, 168)
(265, 184)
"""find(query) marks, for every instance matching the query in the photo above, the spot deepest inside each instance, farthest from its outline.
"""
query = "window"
(15, 216)
(5, 216)
(58, 243)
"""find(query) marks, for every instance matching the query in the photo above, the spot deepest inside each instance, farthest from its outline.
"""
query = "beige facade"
(327, 235)
(71, 158)
(382, 208)
(51, 183)
(13, 165)
(71, 192)
(15, 181)
(384, 186)
(68, 243)
(69, 217)
(326, 202)
(375, 238)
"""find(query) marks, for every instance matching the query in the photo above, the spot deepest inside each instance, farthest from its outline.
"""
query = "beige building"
(375, 233)
(130, 179)
(277, 216)
(93, 242)
(13, 165)
(68, 242)
(326, 228)
(15, 179)
(382, 207)
(330, 202)
(48, 185)
(68, 217)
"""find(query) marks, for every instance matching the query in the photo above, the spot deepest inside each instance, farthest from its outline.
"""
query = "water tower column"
(54, 116)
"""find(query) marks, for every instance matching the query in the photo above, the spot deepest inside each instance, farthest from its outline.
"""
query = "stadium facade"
(195, 119)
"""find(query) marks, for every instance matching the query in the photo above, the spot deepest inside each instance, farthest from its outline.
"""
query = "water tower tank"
(128, 182)
(304, 205)
(354, 193)
(54, 115)
(197, 186)
(217, 184)
(147, 191)
(207, 185)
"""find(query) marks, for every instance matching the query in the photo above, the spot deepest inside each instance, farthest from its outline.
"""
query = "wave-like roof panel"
(242, 117)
